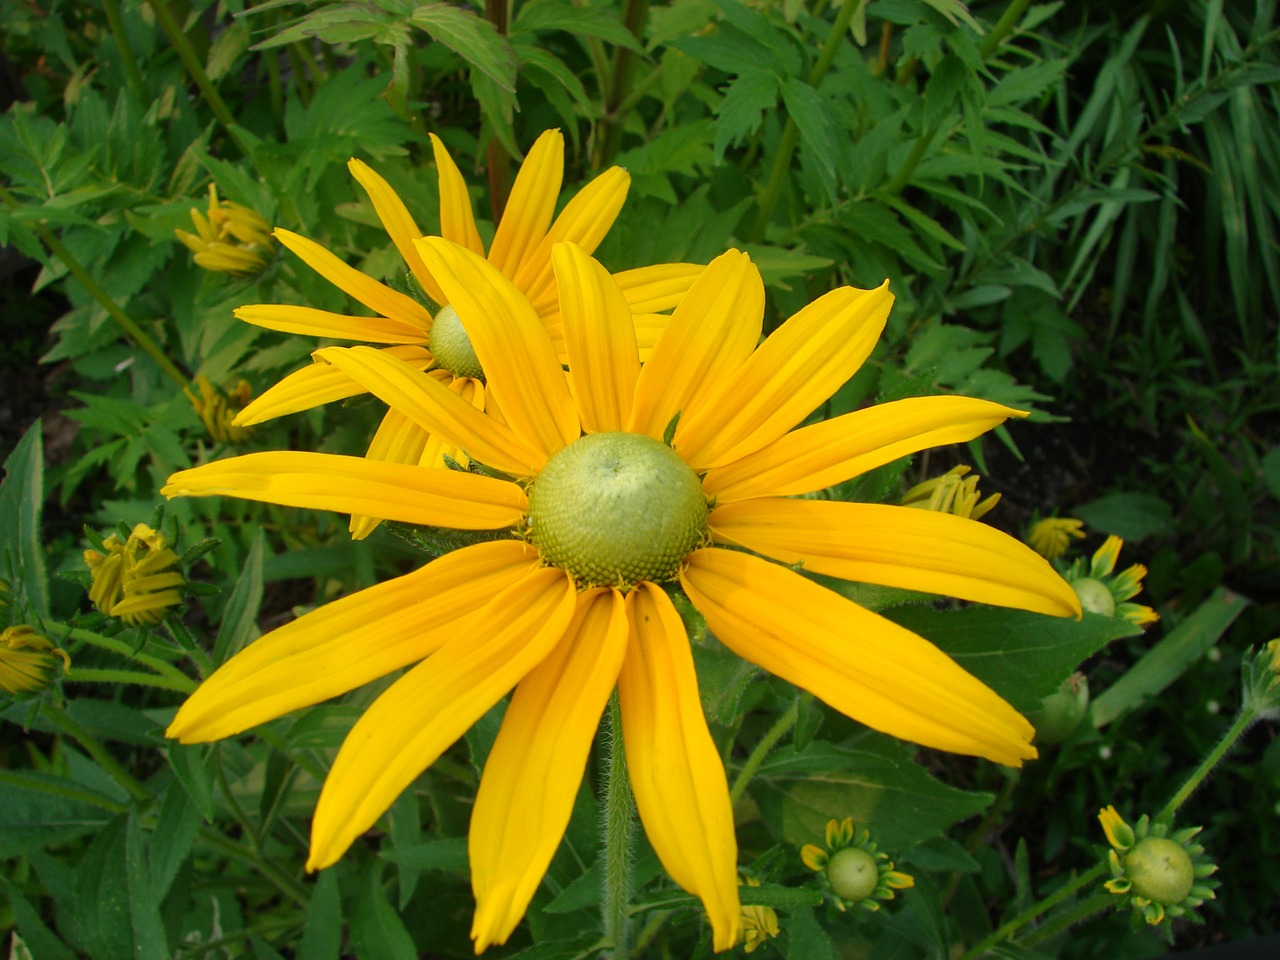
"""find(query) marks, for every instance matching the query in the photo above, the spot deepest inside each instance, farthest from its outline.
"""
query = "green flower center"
(1095, 596)
(451, 346)
(616, 508)
(1161, 870)
(853, 874)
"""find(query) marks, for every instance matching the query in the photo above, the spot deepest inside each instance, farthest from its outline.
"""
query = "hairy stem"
(619, 819)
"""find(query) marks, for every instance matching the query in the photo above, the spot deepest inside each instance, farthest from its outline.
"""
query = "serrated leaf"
(581, 21)
(741, 112)
(1022, 656)
(472, 38)
(817, 138)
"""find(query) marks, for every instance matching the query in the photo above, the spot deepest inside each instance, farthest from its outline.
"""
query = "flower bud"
(28, 660)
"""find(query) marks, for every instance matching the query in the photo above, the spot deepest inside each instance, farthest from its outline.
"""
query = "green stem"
(1036, 909)
(768, 197)
(1004, 26)
(60, 719)
(617, 97)
(918, 150)
(757, 756)
(136, 677)
(132, 75)
(1242, 722)
(162, 667)
(277, 877)
(1069, 918)
(619, 815)
(187, 53)
(126, 323)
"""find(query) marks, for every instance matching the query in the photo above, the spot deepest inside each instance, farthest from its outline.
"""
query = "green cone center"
(451, 346)
(1161, 870)
(853, 874)
(616, 508)
(1095, 596)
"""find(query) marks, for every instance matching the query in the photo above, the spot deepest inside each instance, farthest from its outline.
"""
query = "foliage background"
(1078, 207)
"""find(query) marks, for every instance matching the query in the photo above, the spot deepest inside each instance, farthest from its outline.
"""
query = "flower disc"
(451, 346)
(615, 509)
(1161, 870)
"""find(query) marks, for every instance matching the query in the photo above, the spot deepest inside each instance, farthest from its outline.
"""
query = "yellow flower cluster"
(135, 580)
(954, 492)
(218, 409)
(229, 238)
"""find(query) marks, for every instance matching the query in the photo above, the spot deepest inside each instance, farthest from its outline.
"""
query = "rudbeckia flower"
(521, 251)
(626, 480)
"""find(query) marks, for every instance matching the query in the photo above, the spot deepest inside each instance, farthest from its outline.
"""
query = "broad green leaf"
(194, 767)
(172, 839)
(101, 906)
(377, 932)
(21, 497)
(239, 624)
(817, 130)
(876, 782)
(1022, 656)
(448, 855)
(1169, 659)
(1133, 516)
(41, 810)
(322, 935)
(41, 942)
(805, 937)
(581, 21)
(149, 941)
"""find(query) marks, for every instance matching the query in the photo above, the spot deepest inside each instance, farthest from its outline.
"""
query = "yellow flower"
(217, 410)
(953, 493)
(28, 660)
(855, 871)
(1051, 536)
(602, 514)
(1103, 591)
(521, 251)
(231, 238)
(135, 580)
(759, 923)
(1157, 871)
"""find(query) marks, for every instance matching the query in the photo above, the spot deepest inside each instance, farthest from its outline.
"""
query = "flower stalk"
(619, 820)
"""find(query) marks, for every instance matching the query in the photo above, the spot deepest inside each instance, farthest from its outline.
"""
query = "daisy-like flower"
(521, 251)
(135, 580)
(856, 871)
(1102, 590)
(628, 479)
(1158, 871)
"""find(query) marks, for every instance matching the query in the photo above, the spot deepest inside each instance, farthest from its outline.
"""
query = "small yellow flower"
(229, 238)
(218, 409)
(135, 580)
(953, 493)
(1102, 590)
(1156, 870)
(857, 874)
(1051, 536)
(759, 923)
(28, 660)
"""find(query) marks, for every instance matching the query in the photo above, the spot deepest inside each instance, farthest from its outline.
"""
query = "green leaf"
(193, 765)
(581, 21)
(876, 782)
(41, 810)
(172, 839)
(1133, 516)
(239, 624)
(472, 38)
(322, 935)
(742, 110)
(144, 908)
(806, 940)
(21, 497)
(817, 137)
(1271, 471)
(40, 940)
(101, 906)
(1169, 659)
(448, 855)
(1022, 656)
(377, 932)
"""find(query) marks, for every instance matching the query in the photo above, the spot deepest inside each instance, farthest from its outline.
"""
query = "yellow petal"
(315, 385)
(522, 370)
(898, 547)
(830, 452)
(658, 287)
(350, 642)
(584, 221)
(378, 297)
(435, 408)
(711, 333)
(532, 775)
(288, 318)
(861, 664)
(457, 221)
(530, 206)
(391, 491)
(421, 714)
(396, 219)
(676, 773)
(798, 367)
(397, 440)
(600, 340)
